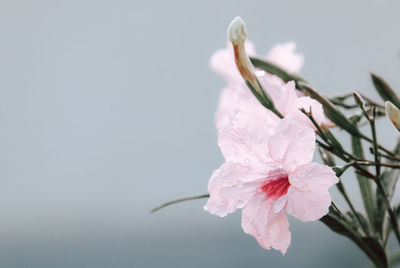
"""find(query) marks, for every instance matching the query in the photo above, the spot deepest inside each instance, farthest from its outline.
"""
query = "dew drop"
(280, 204)
(260, 73)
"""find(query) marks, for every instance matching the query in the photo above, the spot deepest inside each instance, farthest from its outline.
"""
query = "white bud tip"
(237, 30)
(393, 113)
(390, 109)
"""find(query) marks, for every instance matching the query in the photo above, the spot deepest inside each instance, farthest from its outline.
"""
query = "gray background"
(106, 110)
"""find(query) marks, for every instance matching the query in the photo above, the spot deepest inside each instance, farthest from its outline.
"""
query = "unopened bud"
(237, 31)
(393, 113)
(359, 100)
(237, 34)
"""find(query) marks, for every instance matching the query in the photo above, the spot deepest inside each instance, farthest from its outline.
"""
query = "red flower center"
(275, 188)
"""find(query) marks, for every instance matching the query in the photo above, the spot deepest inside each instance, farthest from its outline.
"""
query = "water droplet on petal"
(280, 204)
(260, 73)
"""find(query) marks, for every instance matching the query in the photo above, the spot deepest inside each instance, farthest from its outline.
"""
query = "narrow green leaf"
(336, 224)
(332, 139)
(390, 176)
(368, 245)
(359, 220)
(365, 184)
(327, 157)
(330, 110)
(388, 227)
(378, 249)
(264, 98)
(389, 179)
(384, 90)
(272, 68)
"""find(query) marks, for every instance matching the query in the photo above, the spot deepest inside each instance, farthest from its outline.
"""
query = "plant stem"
(372, 163)
(342, 190)
(392, 215)
(179, 200)
(392, 154)
(375, 140)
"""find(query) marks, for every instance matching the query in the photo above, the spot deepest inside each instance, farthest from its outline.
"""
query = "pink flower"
(223, 62)
(288, 102)
(268, 173)
(285, 56)
(236, 96)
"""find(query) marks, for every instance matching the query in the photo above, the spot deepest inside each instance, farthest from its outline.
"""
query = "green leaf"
(327, 157)
(365, 184)
(331, 138)
(359, 221)
(390, 176)
(263, 98)
(371, 247)
(384, 90)
(389, 228)
(337, 223)
(330, 110)
(272, 68)
(378, 250)
(389, 179)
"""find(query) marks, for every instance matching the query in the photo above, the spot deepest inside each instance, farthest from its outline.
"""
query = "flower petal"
(292, 144)
(307, 206)
(231, 187)
(223, 62)
(313, 177)
(270, 229)
(285, 99)
(245, 139)
(314, 106)
(284, 55)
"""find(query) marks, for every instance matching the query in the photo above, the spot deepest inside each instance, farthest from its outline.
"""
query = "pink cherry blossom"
(268, 173)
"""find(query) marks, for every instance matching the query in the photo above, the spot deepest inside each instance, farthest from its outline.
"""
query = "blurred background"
(107, 109)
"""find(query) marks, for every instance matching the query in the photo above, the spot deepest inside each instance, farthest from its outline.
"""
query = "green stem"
(179, 200)
(365, 185)
(375, 140)
(342, 190)
(392, 215)
(372, 163)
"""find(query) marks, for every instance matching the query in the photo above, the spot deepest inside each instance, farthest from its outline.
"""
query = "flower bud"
(237, 34)
(393, 113)
(359, 100)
